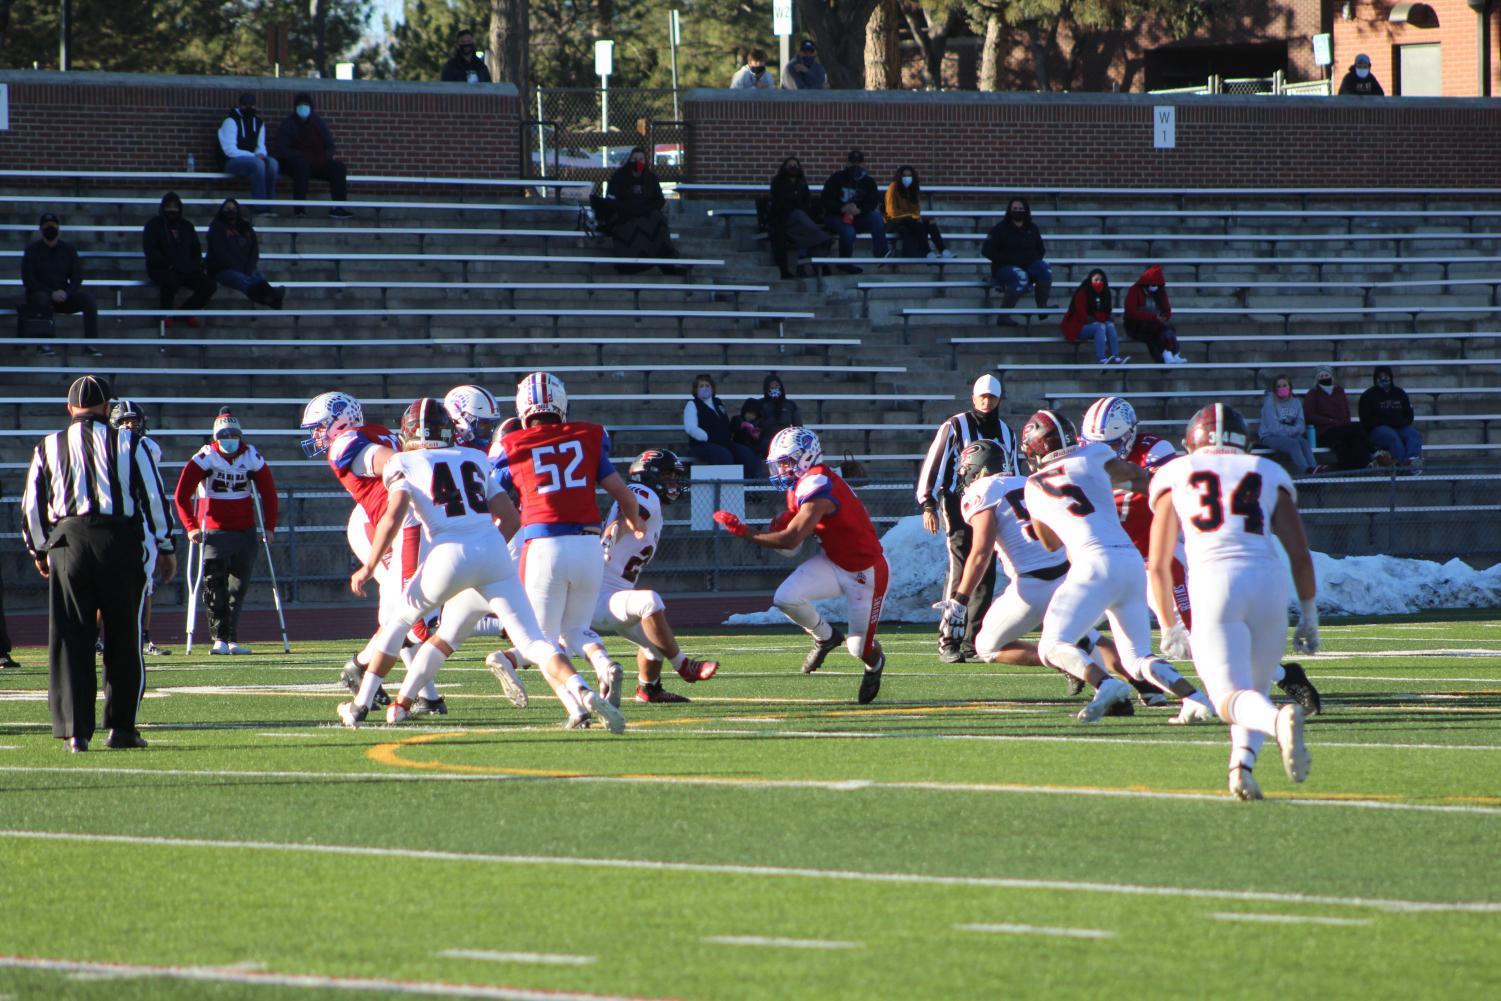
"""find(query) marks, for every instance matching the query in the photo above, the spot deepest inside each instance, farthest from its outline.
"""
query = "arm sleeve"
(34, 502)
(227, 138)
(932, 466)
(690, 423)
(265, 485)
(152, 496)
(606, 467)
(182, 498)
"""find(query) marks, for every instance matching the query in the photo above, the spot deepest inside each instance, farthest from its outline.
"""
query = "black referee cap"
(89, 391)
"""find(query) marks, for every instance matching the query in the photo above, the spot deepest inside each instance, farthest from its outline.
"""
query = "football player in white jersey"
(1069, 496)
(459, 500)
(1229, 505)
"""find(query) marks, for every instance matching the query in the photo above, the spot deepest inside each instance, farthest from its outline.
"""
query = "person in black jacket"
(1386, 416)
(234, 256)
(777, 412)
(1016, 253)
(305, 149)
(634, 217)
(174, 258)
(710, 438)
(465, 65)
(790, 218)
(1359, 80)
(52, 276)
(851, 204)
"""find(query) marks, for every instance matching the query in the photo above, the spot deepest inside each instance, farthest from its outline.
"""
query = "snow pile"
(1350, 585)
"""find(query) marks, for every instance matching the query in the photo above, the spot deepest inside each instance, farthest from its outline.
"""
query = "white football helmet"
(1112, 421)
(326, 416)
(792, 452)
(541, 393)
(474, 413)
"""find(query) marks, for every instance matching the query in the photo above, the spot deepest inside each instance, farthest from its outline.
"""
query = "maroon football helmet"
(1217, 426)
(1047, 437)
(426, 424)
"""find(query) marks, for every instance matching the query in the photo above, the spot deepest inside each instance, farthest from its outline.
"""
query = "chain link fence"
(584, 133)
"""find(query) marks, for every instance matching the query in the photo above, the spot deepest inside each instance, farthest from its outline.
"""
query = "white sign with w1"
(1165, 127)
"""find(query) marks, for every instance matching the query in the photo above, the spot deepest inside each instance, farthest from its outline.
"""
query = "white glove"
(955, 617)
(1306, 635)
(1175, 643)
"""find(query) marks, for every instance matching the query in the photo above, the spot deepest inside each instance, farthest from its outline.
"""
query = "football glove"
(1306, 635)
(781, 521)
(1175, 644)
(732, 523)
(954, 618)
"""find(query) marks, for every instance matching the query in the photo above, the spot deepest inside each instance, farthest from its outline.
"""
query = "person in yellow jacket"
(903, 210)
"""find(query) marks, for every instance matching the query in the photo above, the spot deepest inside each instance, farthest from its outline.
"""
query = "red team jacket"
(554, 467)
(849, 539)
(226, 483)
(1149, 452)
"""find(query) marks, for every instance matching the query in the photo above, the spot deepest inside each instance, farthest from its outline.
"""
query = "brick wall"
(102, 121)
(1099, 139)
(1370, 32)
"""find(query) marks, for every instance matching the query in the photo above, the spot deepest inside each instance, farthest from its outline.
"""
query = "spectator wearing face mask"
(1149, 317)
(1283, 428)
(852, 204)
(465, 66)
(754, 75)
(1386, 417)
(234, 255)
(306, 148)
(903, 211)
(174, 258)
(52, 277)
(777, 412)
(790, 222)
(710, 436)
(805, 72)
(633, 215)
(1327, 411)
(242, 139)
(746, 428)
(1017, 257)
(1089, 315)
(1359, 80)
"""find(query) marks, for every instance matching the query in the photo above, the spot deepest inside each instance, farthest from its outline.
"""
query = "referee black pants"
(96, 567)
(959, 537)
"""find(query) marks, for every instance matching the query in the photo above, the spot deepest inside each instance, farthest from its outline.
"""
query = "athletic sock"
(577, 686)
(822, 630)
(430, 690)
(1279, 674)
(679, 661)
(369, 682)
(1244, 746)
(421, 671)
(1252, 710)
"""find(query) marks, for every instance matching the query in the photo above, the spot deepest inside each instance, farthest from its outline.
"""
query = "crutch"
(195, 580)
(260, 524)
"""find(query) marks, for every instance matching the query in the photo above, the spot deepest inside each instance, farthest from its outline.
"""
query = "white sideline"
(543, 958)
(1009, 929)
(1290, 919)
(305, 981)
(780, 943)
(762, 871)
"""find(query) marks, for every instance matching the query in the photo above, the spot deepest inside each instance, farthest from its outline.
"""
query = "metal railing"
(588, 132)
(1274, 84)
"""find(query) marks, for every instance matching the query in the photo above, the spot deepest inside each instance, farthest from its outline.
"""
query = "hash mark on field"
(1009, 929)
(780, 943)
(544, 958)
(1290, 919)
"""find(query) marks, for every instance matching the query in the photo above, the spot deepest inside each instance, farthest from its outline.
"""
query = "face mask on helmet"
(325, 418)
(790, 455)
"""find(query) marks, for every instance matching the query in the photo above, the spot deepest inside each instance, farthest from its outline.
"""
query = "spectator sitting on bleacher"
(52, 277)
(1327, 411)
(777, 412)
(1149, 317)
(1359, 80)
(1017, 255)
(634, 217)
(746, 428)
(234, 256)
(174, 258)
(851, 204)
(306, 148)
(790, 222)
(242, 139)
(1089, 316)
(903, 211)
(465, 65)
(754, 75)
(1283, 429)
(1386, 416)
(710, 438)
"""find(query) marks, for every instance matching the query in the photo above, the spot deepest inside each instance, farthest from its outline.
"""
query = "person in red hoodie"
(223, 522)
(1089, 316)
(1326, 409)
(1149, 317)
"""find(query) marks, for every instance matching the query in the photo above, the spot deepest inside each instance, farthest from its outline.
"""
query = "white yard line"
(542, 958)
(1217, 741)
(780, 943)
(1290, 919)
(304, 981)
(1009, 929)
(763, 872)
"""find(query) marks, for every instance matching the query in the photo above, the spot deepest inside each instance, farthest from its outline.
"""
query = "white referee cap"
(988, 385)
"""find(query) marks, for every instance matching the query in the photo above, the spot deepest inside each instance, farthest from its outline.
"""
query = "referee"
(94, 511)
(938, 487)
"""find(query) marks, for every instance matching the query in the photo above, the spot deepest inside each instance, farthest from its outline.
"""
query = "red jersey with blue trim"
(343, 455)
(1148, 451)
(848, 537)
(554, 468)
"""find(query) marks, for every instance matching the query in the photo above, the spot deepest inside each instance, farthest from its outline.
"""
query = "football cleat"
(502, 664)
(697, 670)
(950, 654)
(424, 706)
(654, 692)
(583, 721)
(609, 683)
(821, 649)
(1295, 757)
(1151, 696)
(352, 715)
(1193, 711)
(601, 707)
(1296, 686)
(1243, 784)
(150, 649)
(1125, 707)
(397, 713)
(870, 682)
(1075, 685)
(1110, 692)
(353, 674)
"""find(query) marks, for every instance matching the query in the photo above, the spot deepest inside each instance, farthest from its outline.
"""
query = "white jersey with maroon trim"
(450, 490)
(626, 555)
(1015, 542)
(1074, 497)
(1224, 500)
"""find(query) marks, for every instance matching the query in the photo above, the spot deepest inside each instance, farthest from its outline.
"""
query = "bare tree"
(991, 56)
(931, 31)
(883, 69)
(510, 25)
(839, 28)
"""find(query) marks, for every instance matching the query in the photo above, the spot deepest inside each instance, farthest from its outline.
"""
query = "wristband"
(963, 599)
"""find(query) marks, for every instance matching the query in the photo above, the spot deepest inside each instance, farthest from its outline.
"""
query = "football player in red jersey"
(357, 453)
(554, 465)
(852, 562)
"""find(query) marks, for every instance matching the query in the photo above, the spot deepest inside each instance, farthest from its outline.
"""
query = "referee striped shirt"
(940, 468)
(91, 468)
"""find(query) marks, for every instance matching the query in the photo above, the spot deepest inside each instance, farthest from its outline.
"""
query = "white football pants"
(818, 579)
(562, 576)
(1109, 582)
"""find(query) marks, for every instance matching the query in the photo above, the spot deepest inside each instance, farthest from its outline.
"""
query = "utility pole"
(65, 36)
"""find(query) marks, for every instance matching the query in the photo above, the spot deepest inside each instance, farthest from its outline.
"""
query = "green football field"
(961, 838)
